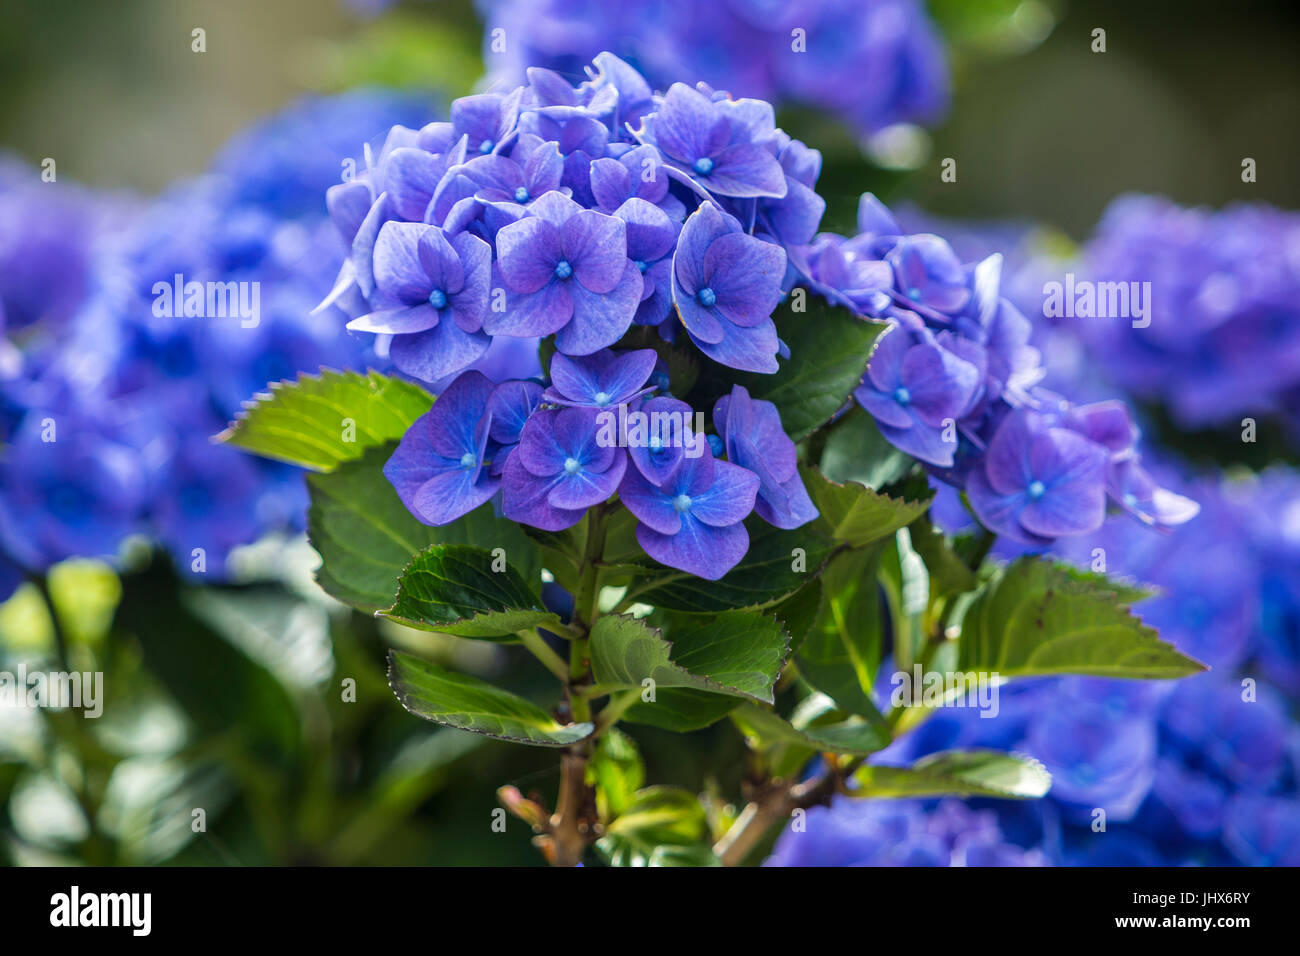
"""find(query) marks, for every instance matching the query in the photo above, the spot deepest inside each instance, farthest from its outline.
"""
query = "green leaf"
(456, 589)
(829, 348)
(948, 572)
(856, 451)
(321, 421)
(855, 514)
(616, 772)
(840, 655)
(777, 564)
(662, 826)
(467, 703)
(1037, 617)
(366, 537)
(799, 612)
(736, 653)
(963, 773)
(856, 735)
(681, 710)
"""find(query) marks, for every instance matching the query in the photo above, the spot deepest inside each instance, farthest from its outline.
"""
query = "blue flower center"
(1130, 499)
(601, 398)
(703, 166)
(468, 460)
(521, 195)
(640, 265)
(486, 146)
(571, 466)
(438, 299)
(1036, 490)
(914, 294)
(563, 270)
(902, 395)
(706, 297)
(682, 502)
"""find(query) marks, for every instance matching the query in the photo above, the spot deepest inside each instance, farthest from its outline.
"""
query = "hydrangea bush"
(713, 501)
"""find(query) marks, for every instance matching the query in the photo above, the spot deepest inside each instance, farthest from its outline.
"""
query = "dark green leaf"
(461, 590)
(682, 710)
(856, 451)
(467, 703)
(321, 421)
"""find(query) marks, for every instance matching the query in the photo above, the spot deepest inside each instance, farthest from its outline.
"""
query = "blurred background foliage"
(231, 699)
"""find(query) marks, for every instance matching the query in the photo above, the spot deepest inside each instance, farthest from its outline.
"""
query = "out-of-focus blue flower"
(873, 63)
(899, 833)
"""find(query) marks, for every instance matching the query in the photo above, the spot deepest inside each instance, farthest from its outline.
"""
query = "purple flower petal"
(697, 548)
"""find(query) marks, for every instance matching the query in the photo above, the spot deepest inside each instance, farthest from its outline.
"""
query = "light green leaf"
(467, 703)
(616, 772)
(856, 735)
(736, 653)
(963, 773)
(853, 513)
(366, 537)
(456, 589)
(321, 421)
(840, 655)
(1037, 617)
(662, 826)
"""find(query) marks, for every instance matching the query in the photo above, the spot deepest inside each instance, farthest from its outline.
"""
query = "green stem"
(542, 651)
(617, 706)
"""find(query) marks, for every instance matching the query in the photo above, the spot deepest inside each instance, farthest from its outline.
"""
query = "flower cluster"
(956, 384)
(110, 393)
(579, 213)
(873, 63)
(598, 429)
(1223, 338)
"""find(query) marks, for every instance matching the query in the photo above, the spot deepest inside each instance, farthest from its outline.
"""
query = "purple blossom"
(441, 466)
(560, 469)
(604, 379)
(433, 290)
(567, 272)
(726, 285)
(751, 430)
(1039, 482)
(692, 521)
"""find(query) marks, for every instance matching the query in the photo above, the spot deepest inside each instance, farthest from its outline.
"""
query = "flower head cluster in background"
(116, 377)
(871, 63)
(1224, 335)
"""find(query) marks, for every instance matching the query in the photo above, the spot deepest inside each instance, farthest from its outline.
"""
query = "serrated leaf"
(1036, 617)
(840, 655)
(853, 513)
(662, 826)
(799, 611)
(736, 653)
(856, 735)
(963, 773)
(767, 574)
(366, 537)
(321, 421)
(455, 589)
(467, 703)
